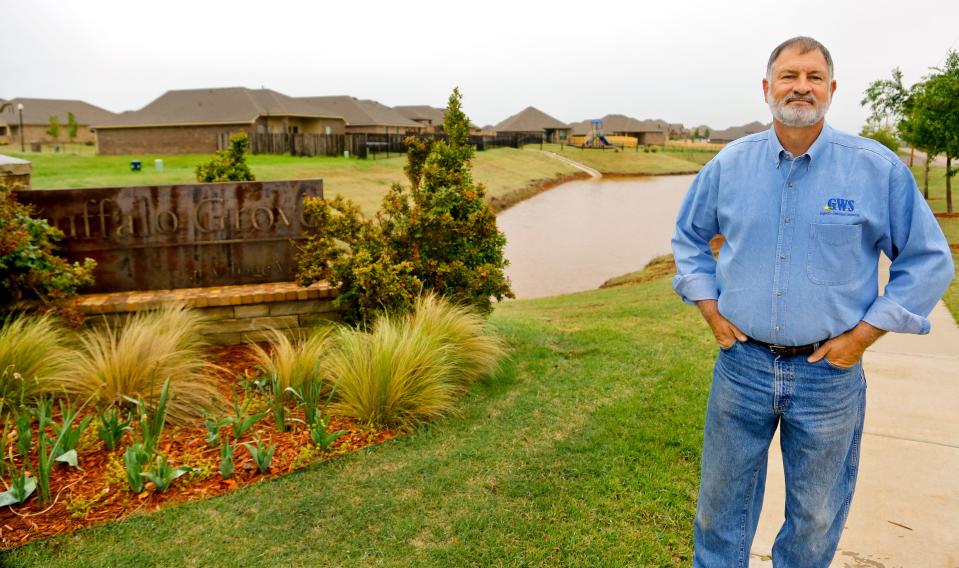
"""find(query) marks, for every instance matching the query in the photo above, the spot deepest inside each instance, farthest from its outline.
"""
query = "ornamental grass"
(410, 370)
(35, 352)
(123, 363)
(294, 362)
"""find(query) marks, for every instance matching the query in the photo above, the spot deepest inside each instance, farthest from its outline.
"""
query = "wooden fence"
(360, 145)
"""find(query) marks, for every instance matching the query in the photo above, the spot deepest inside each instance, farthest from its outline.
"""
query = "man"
(793, 303)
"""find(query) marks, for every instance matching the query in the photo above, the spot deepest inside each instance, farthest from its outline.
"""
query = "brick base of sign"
(236, 314)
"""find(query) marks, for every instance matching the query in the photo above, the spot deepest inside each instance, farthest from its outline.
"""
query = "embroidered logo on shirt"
(839, 206)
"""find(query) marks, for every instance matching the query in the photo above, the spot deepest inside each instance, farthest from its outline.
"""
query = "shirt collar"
(777, 153)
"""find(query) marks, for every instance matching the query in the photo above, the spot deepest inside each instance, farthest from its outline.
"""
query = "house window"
(3, 130)
(293, 129)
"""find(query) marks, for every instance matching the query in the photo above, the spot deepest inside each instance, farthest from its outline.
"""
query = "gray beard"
(797, 116)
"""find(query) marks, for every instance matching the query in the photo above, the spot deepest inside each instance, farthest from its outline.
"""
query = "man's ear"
(766, 89)
(832, 88)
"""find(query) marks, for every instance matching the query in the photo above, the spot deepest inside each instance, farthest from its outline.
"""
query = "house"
(431, 118)
(36, 120)
(191, 120)
(646, 132)
(534, 123)
(366, 116)
(736, 132)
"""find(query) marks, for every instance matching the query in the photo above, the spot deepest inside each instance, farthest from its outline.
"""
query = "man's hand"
(726, 333)
(846, 349)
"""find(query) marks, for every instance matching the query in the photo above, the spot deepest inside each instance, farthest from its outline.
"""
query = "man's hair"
(804, 44)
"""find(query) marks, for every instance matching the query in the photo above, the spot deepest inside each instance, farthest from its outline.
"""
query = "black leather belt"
(785, 350)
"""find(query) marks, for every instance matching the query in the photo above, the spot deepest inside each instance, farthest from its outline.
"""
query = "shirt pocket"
(833, 256)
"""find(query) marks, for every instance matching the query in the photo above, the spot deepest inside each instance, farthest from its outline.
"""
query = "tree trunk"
(925, 179)
(912, 156)
(948, 184)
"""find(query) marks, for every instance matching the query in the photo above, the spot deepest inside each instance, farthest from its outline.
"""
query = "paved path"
(575, 164)
(906, 509)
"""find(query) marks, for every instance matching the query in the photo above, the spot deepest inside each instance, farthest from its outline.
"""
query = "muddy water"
(580, 234)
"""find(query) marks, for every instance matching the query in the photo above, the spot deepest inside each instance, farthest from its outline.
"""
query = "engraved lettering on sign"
(206, 220)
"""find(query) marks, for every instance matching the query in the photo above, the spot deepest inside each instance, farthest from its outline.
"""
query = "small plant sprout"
(21, 487)
(261, 454)
(50, 450)
(242, 422)
(164, 474)
(153, 420)
(24, 435)
(213, 425)
(226, 458)
(71, 434)
(110, 428)
(320, 436)
(134, 459)
(278, 401)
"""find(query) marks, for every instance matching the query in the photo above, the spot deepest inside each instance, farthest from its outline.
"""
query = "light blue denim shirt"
(803, 235)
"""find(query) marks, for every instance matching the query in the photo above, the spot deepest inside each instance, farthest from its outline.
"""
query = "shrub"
(123, 364)
(408, 370)
(885, 135)
(35, 352)
(294, 363)
(229, 164)
(436, 234)
(32, 275)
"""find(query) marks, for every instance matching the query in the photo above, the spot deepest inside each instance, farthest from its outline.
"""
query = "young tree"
(54, 129)
(696, 134)
(931, 116)
(883, 134)
(436, 234)
(706, 133)
(229, 164)
(72, 127)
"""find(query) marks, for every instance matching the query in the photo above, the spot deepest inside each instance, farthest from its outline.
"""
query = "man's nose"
(802, 85)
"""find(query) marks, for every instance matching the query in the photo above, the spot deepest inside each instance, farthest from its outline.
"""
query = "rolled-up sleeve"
(921, 267)
(696, 225)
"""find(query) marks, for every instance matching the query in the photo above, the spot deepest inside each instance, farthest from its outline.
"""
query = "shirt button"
(782, 257)
(788, 219)
(779, 292)
(790, 184)
(776, 328)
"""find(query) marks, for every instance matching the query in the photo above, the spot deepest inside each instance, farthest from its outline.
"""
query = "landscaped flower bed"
(125, 419)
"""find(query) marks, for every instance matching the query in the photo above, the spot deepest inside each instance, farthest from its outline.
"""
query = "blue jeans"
(819, 409)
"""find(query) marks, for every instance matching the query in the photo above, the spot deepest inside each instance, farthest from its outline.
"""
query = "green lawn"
(937, 187)
(629, 161)
(583, 451)
(503, 170)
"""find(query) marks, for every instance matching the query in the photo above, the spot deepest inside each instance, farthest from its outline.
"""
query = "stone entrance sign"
(181, 236)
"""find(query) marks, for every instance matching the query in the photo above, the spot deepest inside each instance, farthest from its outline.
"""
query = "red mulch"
(98, 493)
(947, 215)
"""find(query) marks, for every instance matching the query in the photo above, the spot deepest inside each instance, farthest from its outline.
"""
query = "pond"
(580, 234)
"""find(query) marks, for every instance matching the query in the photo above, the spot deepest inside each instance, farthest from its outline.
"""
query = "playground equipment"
(596, 138)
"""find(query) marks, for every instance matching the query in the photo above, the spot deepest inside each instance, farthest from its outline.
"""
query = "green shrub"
(123, 364)
(32, 276)
(409, 370)
(437, 234)
(35, 353)
(885, 135)
(229, 164)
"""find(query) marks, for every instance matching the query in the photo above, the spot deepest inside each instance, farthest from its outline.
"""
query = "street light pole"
(20, 110)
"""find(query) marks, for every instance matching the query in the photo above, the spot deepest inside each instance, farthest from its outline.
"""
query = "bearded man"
(793, 303)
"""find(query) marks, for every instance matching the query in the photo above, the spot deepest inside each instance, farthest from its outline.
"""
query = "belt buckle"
(777, 349)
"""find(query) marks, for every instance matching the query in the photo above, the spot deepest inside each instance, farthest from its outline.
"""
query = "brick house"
(646, 132)
(366, 116)
(190, 121)
(736, 132)
(36, 120)
(534, 122)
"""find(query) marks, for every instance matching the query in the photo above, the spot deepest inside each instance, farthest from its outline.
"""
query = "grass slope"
(365, 181)
(582, 451)
(631, 162)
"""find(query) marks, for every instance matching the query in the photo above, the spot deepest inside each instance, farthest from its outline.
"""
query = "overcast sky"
(695, 62)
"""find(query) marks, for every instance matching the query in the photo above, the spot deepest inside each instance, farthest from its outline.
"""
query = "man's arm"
(921, 270)
(696, 224)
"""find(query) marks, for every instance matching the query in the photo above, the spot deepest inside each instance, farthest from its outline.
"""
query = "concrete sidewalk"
(906, 508)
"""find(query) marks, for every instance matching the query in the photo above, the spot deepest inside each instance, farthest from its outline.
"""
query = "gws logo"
(839, 206)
